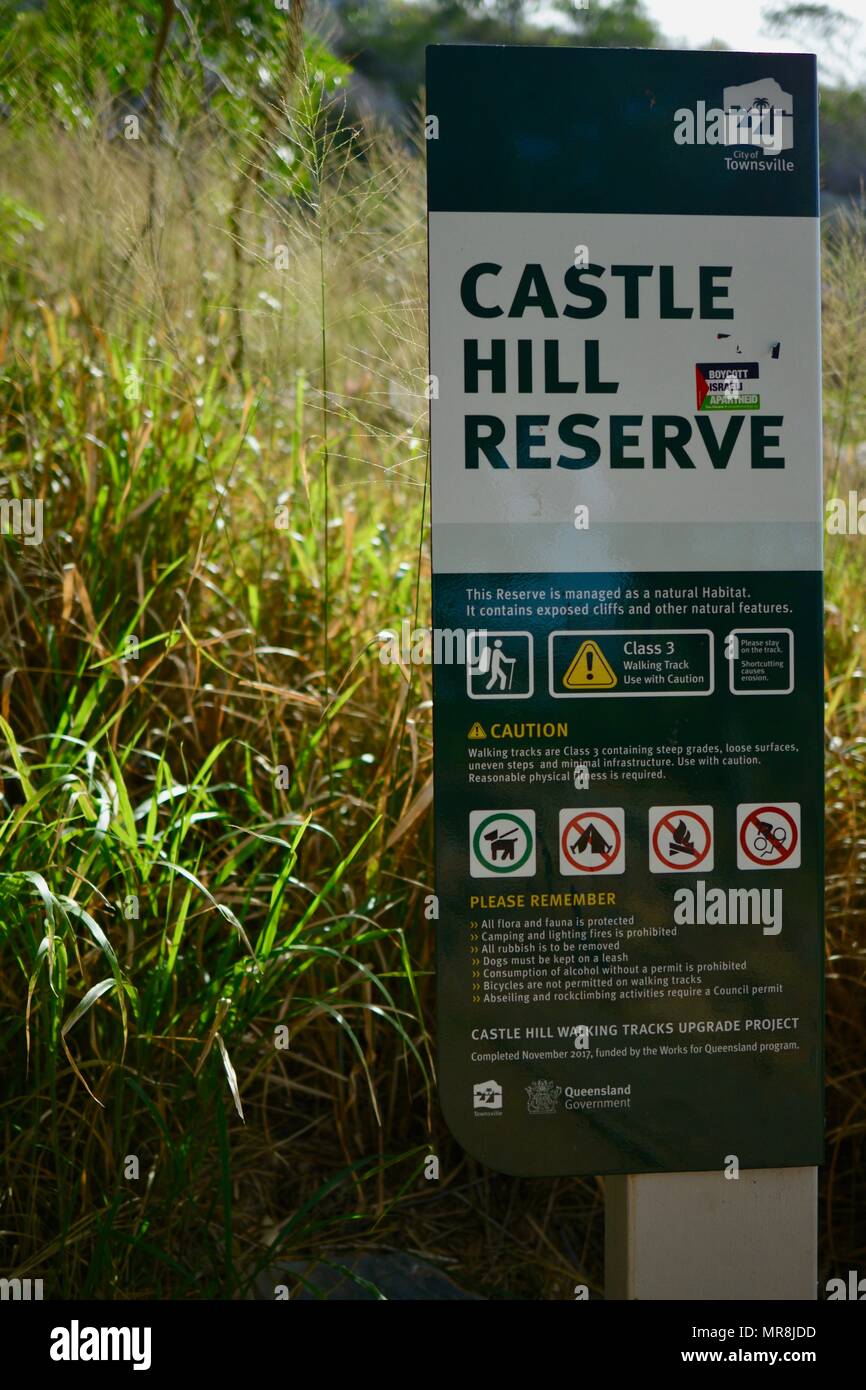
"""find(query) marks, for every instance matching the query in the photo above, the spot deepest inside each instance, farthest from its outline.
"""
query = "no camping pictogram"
(592, 840)
(681, 839)
(768, 836)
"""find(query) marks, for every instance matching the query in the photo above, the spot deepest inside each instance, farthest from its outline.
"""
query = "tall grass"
(844, 342)
(205, 762)
(214, 961)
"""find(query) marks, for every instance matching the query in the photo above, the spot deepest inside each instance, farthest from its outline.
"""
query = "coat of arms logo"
(542, 1097)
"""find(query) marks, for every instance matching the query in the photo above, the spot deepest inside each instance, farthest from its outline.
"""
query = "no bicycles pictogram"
(768, 837)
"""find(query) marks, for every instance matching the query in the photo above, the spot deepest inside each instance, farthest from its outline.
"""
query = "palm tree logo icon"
(760, 128)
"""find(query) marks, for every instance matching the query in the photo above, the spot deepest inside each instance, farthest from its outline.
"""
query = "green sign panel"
(625, 425)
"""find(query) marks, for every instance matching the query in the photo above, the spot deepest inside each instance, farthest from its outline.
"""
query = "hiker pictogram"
(501, 842)
(768, 835)
(592, 841)
(589, 669)
(499, 665)
(681, 839)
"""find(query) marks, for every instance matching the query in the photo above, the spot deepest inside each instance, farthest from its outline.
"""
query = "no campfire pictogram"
(681, 839)
(592, 840)
(768, 836)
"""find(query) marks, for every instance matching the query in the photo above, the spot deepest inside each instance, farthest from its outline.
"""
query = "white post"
(705, 1236)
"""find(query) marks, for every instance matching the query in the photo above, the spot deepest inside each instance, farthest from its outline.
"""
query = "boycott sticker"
(724, 385)
(768, 835)
(681, 839)
(592, 841)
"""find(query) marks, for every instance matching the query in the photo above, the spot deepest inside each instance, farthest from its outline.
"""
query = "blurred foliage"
(842, 119)
(169, 64)
(619, 24)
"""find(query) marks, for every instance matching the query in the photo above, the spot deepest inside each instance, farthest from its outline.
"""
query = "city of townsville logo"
(758, 114)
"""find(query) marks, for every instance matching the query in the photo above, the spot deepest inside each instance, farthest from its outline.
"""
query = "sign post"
(694, 1236)
(626, 493)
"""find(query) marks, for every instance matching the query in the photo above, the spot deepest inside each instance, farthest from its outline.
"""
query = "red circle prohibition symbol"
(785, 852)
(691, 862)
(575, 822)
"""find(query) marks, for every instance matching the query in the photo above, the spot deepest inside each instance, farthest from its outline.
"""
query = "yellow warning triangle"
(589, 670)
(477, 731)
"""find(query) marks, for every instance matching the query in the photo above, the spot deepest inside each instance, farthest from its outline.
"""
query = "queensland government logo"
(542, 1097)
(757, 114)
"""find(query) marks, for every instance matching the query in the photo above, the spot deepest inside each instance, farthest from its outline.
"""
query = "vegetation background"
(215, 968)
